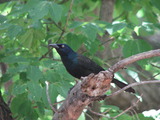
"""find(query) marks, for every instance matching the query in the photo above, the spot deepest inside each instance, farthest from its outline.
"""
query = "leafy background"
(28, 26)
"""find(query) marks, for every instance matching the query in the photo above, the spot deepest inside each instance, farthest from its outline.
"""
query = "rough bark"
(106, 11)
(93, 87)
(90, 89)
(5, 112)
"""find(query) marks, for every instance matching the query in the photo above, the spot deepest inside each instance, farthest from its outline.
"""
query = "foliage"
(27, 26)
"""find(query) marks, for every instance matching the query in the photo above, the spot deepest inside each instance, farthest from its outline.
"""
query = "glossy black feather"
(80, 66)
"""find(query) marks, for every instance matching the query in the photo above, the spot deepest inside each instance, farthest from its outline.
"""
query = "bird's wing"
(88, 64)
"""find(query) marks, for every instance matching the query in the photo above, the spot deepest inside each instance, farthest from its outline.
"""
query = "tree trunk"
(5, 113)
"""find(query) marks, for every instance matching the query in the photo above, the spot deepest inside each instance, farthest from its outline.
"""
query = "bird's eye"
(62, 46)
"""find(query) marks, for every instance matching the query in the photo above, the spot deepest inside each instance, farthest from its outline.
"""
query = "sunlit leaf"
(14, 30)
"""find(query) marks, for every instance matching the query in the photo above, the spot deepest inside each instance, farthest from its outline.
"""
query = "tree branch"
(68, 17)
(48, 97)
(93, 87)
(132, 85)
(135, 104)
(134, 58)
(63, 31)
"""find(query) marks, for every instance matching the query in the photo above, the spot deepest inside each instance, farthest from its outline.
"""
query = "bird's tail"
(121, 85)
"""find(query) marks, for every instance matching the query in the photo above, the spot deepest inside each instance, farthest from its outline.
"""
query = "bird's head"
(62, 49)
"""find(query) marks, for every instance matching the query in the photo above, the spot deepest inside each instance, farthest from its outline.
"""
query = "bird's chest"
(72, 67)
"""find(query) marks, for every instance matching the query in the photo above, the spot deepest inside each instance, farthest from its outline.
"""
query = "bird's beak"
(53, 45)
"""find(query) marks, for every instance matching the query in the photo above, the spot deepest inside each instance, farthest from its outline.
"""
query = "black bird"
(80, 66)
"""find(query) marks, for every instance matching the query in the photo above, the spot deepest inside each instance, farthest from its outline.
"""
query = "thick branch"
(134, 58)
(83, 94)
(93, 87)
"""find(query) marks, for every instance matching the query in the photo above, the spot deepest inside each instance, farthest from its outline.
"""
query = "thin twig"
(135, 104)
(58, 102)
(88, 115)
(106, 111)
(132, 85)
(9, 101)
(63, 30)
(155, 65)
(156, 75)
(53, 22)
(44, 56)
(98, 114)
(102, 114)
(66, 24)
(60, 37)
(114, 19)
(135, 113)
(48, 97)
(106, 41)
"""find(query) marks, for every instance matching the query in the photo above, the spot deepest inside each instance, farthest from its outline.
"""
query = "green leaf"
(48, 63)
(133, 47)
(14, 30)
(41, 107)
(156, 3)
(19, 89)
(14, 59)
(75, 41)
(146, 29)
(118, 26)
(17, 69)
(17, 102)
(35, 91)
(23, 107)
(125, 117)
(127, 5)
(142, 117)
(31, 39)
(52, 94)
(5, 26)
(90, 30)
(27, 38)
(55, 11)
(75, 24)
(40, 10)
(51, 76)
(2, 18)
(6, 77)
(64, 88)
(34, 73)
(115, 27)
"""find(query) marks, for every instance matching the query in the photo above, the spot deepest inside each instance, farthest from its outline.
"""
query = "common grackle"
(80, 66)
